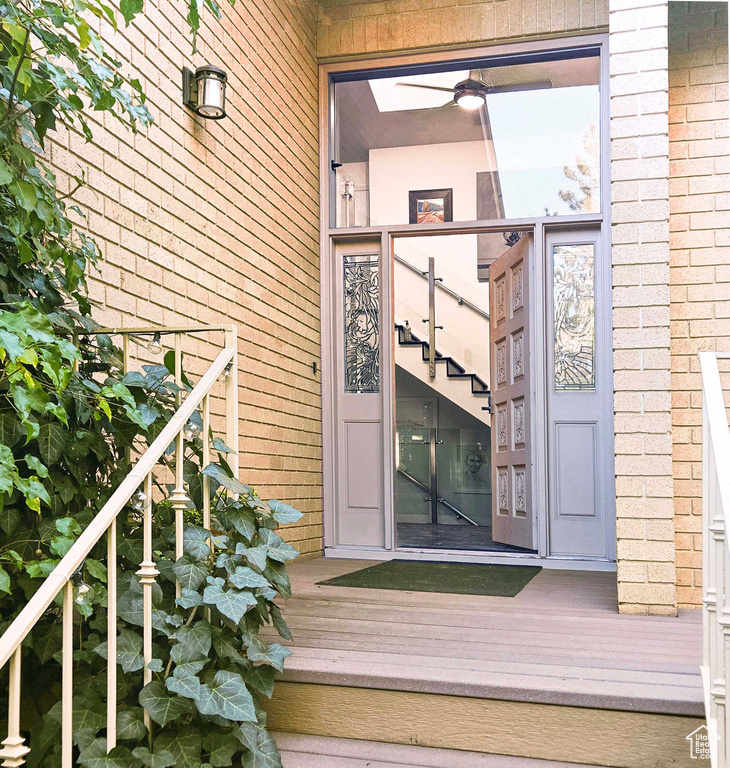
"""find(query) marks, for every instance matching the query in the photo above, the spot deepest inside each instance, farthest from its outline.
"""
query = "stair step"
(300, 751)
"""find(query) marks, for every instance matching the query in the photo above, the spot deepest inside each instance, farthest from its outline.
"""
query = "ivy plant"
(69, 418)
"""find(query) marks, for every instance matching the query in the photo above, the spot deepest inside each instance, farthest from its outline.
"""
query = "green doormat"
(453, 578)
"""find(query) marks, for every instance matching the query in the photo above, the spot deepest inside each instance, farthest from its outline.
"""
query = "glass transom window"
(502, 138)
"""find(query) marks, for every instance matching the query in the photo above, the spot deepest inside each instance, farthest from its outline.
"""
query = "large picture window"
(509, 137)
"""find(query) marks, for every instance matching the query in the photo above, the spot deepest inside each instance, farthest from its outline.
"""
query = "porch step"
(529, 676)
(298, 751)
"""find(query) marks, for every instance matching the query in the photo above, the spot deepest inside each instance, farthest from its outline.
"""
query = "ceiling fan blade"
(428, 87)
(538, 85)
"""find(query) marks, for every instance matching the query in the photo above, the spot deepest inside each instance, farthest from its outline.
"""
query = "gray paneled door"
(512, 504)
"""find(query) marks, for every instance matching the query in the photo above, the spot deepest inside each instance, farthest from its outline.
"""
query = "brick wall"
(217, 222)
(357, 27)
(700, 251)
(640, 237)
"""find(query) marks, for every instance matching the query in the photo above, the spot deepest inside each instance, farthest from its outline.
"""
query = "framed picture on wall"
(430, 206)
(473, 469)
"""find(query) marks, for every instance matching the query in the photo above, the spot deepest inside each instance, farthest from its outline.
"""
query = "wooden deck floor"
(560, 641)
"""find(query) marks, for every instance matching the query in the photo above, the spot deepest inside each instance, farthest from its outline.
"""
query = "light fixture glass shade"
(211, 92)
(470, 101)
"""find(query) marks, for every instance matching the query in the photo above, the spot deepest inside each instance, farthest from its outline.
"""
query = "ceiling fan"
(471, 94)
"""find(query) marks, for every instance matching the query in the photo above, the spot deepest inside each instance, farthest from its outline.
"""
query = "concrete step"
(298, 751)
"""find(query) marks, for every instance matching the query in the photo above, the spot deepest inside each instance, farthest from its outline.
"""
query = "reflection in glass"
(531, 150)
(574, 316)
(362, 337)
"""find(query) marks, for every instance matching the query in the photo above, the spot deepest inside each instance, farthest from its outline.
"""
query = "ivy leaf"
(278, 621)
(227, 696)
(244, 577)
(236, 486)
(95, 756)
(240, 517)
(277, 548)
(159, 759)
(261, 679)
(195, 639)
(232, 603)
(255, 556)
(89, 713)
(190, 573)
(185, 746)
(130, 724)
(221, 747)
(273, 654)
(46, 640)
(189, 598)
(262, 751)
(160, 705)
(129, 651)
(195, 542)
(284, 513)
(218, 444)
(186, 685)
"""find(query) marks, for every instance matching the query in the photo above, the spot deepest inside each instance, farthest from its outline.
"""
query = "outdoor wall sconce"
(204, 91)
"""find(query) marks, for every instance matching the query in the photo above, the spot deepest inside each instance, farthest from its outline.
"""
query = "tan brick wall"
(700, 252)
(640, 237)
(214, 222)
(358, 27)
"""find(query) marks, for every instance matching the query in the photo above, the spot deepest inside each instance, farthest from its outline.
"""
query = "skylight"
(392, 97)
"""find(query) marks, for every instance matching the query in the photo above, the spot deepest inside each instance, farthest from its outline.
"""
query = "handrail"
(440, 499)
(60, 580)
(445, 288)
(715, 556)
(72, 560)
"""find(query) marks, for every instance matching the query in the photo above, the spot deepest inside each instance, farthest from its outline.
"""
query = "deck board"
(559, 641)
(298, 751)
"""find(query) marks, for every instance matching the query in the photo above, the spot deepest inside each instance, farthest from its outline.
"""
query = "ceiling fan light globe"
(469, 101)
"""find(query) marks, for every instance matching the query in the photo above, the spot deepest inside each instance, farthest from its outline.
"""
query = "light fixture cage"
(204, 91)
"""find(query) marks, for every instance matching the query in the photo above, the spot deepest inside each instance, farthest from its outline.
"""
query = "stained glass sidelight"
(574, 317)
(362, 334)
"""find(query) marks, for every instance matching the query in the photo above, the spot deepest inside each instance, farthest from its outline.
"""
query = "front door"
(512, 503)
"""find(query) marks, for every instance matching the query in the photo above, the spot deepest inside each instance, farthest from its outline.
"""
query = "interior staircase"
(454, 369)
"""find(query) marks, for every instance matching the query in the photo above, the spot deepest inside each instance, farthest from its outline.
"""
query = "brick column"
(700, 252)
(640, 257)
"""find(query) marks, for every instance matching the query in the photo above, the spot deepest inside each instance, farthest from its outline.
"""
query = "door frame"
(331, 236)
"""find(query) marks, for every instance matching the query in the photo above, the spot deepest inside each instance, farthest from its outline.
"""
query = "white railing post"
(111, 645)
(179, 498)
(14, 749)
(147, 575)
(232, 402)
(67, 681)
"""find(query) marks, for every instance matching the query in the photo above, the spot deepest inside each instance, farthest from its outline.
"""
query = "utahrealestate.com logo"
(699, 743)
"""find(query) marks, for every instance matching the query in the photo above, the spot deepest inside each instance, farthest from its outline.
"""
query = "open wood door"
(512, 507)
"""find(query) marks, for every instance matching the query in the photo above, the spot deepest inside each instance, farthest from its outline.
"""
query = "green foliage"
(68, 417)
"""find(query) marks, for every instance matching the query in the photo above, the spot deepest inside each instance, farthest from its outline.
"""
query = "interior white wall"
(395, 171)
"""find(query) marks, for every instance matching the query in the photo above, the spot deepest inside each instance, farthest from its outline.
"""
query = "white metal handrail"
(59, 581)
(715, 557)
